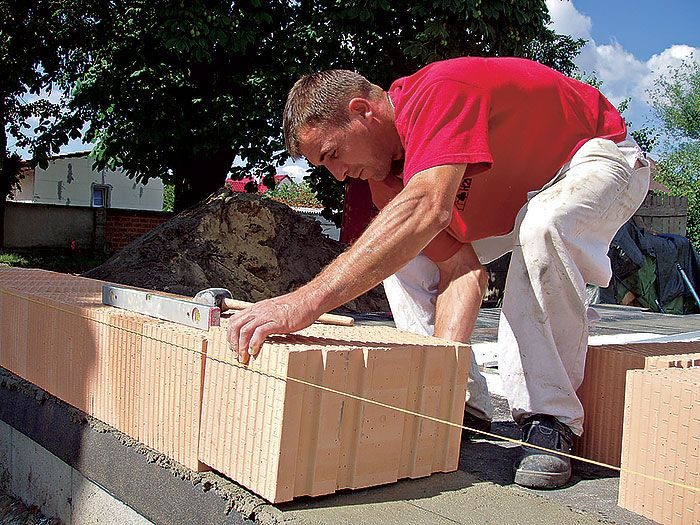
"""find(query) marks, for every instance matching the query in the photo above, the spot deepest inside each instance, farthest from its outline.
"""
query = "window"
(100, 196)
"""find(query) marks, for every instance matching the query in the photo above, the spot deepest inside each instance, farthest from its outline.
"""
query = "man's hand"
(285, 314)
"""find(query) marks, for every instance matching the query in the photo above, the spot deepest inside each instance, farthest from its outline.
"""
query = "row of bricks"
(177, 390)
(131, 224)
(662, 439)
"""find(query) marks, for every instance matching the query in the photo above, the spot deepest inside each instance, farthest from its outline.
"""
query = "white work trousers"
(559, 243)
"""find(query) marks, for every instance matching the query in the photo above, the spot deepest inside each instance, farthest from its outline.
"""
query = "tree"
(27, 59)
(294, 194)
(177, 90)
(676, 101)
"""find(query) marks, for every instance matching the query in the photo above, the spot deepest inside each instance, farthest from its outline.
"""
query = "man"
(470, 158)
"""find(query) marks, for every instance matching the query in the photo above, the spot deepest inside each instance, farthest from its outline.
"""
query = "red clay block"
(661, 439)
(170, 390)
(282, 438)
(603, 389)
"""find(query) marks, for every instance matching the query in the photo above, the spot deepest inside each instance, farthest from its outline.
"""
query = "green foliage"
(55, 259)
(646, 137)
(169, 197)
(177, 90)
(679, 170)
(676, 100)
(588, 78)
(295, 194)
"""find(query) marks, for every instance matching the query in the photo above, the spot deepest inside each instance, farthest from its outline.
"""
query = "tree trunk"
(4, 176)
(197, 178)
(10, 166)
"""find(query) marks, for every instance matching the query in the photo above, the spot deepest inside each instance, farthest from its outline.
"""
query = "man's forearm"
(400, 231)
(395, 237)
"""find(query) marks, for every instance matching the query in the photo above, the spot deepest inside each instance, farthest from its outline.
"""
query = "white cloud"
(295, 169)
(566, 20)
(661, 63)
(623, 75)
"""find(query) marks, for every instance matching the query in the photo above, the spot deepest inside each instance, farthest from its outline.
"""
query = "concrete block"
(5, 456)
(92, 505)
(40, 478)
(283, 438)
(661, 438)
(602, 392)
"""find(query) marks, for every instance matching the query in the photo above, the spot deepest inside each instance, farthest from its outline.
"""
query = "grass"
(54, 259)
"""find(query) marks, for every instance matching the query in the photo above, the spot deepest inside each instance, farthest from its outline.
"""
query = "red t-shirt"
(514, 122)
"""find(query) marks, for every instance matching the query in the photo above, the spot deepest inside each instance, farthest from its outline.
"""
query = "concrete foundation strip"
(377, 403)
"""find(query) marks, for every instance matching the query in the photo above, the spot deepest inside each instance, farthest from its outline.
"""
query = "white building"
(70, 180)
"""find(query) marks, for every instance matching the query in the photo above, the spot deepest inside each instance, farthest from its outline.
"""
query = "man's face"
(355, 151)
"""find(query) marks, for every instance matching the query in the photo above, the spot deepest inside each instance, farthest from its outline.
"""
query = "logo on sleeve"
(463, 193)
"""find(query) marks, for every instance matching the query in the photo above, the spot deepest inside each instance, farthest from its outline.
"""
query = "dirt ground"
(255, 247)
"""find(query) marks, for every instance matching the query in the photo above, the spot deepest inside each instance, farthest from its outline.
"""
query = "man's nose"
(339, 172)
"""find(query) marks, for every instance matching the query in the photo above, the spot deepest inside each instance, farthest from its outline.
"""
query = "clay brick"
(13, 327)
(603, 389)
(170, 390)
(660, 438)
(118, 337)
(283, 439)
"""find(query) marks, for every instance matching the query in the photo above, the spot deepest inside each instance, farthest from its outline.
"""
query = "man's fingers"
(258, 337)
(245, 332)
(232, 332)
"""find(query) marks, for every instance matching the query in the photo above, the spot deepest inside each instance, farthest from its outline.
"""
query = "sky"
(630, 43)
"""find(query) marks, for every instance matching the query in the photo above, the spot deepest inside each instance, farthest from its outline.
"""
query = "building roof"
(238, 186)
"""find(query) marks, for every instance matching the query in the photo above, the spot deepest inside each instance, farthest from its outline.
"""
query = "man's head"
(338, 119)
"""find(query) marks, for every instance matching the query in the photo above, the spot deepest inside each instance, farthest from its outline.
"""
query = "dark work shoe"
(472, 421)
(536, 468)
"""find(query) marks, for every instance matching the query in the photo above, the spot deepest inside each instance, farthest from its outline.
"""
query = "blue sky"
(643, 27)
(630, 44)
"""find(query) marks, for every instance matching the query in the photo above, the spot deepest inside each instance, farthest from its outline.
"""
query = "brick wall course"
(151, 380)
(602, 392)
(103, 360)
(662, 439)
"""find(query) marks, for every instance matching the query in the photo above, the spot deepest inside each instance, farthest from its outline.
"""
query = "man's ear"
(360, 107)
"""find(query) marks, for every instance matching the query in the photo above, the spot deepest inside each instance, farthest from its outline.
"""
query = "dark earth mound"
(255, 247)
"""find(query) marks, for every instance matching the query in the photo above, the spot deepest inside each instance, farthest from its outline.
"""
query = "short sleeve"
(446, 122)
(442, 247)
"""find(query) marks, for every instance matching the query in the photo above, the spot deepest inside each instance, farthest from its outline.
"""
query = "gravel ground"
(14, 512)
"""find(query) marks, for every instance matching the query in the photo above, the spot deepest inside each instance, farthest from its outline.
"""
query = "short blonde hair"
(322, 99)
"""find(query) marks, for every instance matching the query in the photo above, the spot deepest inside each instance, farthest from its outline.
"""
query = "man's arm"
(463, 281)
(400, 231)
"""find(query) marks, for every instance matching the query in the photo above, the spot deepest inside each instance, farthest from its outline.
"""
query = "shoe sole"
(541, 480)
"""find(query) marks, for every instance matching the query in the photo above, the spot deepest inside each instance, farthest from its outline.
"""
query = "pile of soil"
(255, 247)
